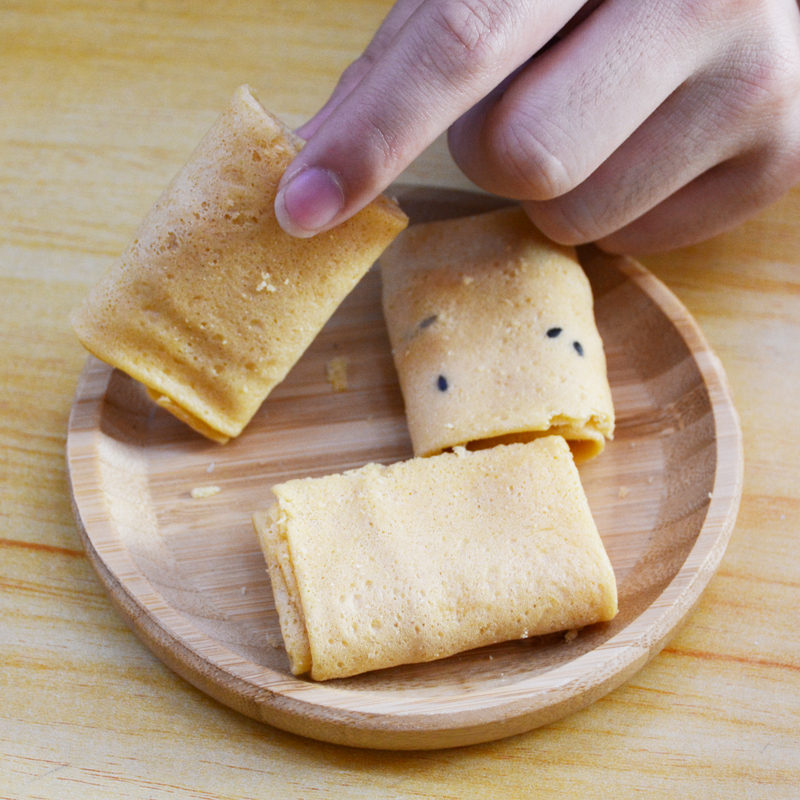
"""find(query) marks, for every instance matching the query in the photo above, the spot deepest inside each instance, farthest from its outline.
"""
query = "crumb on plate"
(336, 373)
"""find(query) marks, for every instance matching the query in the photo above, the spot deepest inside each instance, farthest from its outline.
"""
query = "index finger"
(446, 56)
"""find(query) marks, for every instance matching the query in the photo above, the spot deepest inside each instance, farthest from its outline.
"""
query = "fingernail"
(311, 199)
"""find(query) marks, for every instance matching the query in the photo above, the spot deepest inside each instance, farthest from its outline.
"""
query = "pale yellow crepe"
(213, 303)
(493, 335)
(416, 561)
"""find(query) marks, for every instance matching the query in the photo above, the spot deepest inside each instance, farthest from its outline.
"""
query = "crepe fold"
(493, 335)
(422, 559)
(212, 303)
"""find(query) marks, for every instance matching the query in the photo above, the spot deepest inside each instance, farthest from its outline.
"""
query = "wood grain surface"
(101, 103)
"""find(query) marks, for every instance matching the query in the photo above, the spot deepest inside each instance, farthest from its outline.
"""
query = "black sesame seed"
(553, 332)
(578, 348)
(442, 383)
(428, 321)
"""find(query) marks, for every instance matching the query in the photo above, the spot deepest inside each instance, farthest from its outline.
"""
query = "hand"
(644, 125)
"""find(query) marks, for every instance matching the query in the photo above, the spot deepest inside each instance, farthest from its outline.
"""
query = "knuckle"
(533, 164)
(357, 69)
(770, 81)
(352, 75)
(754, 92)
(469, 36)
(386, 143)
(766, 62)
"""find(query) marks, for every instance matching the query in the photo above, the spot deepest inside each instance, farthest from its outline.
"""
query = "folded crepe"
(213, 303)
(494, 337)
(417, 561)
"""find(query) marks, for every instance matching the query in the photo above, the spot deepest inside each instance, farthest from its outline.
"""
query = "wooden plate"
(189, 577)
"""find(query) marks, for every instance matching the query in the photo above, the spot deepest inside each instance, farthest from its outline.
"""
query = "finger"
(665, 154)
(445, 58)
(736, 111)
(351, 77)
(713, 203)
(576, 103)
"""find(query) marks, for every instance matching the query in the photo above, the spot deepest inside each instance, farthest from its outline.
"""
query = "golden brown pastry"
(493, 335)
(413, 562)
(213, 303)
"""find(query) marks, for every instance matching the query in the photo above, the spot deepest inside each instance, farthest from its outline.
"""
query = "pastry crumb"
(265, 283)
(200, 492)
(624, 491)
(571, 635)
(336, 373)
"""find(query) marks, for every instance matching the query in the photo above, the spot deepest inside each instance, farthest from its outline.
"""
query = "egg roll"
(422, 559)
(212, 303)
(494, 337)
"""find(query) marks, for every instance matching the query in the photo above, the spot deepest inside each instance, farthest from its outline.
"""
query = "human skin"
(643, 125)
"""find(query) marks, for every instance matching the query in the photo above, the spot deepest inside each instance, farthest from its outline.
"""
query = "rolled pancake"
(212, 303)
(494, 337)
(417, 561)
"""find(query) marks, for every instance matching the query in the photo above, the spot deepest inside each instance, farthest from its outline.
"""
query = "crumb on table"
(200, 492)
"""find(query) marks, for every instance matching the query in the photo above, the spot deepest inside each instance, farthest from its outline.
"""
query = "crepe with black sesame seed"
(493, 336)
(426, 558)
(213, 303)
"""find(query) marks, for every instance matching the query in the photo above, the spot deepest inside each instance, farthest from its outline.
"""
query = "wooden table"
(100, 103)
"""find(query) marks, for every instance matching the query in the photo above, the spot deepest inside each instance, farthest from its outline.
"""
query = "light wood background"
(100, 103)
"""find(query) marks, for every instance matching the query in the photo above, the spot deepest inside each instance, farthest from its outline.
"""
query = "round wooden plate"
(188, 575)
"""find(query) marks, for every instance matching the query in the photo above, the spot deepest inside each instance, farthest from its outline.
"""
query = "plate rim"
(301, 711)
